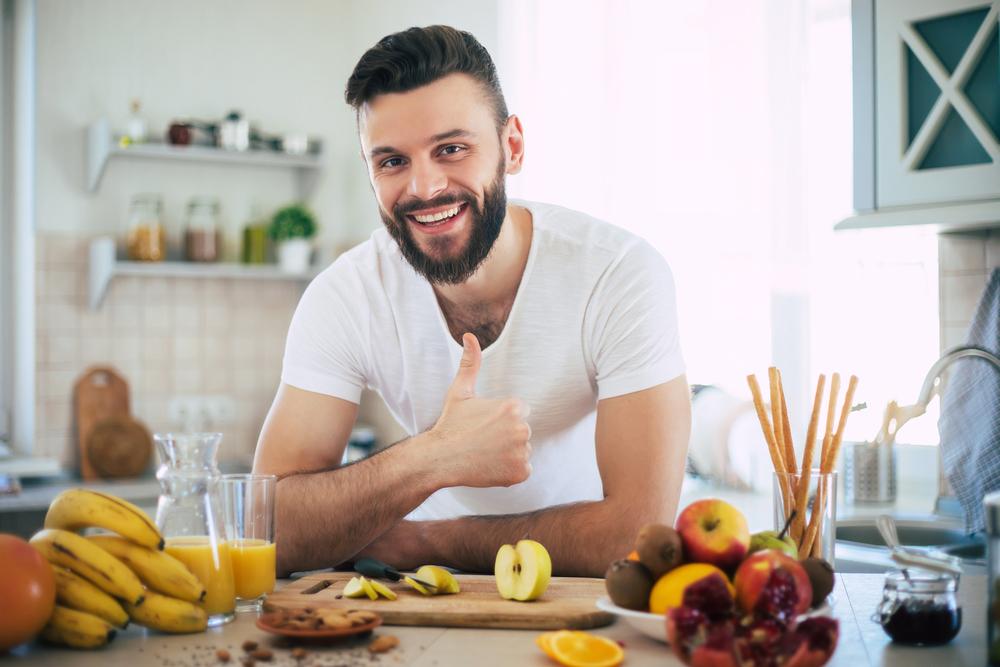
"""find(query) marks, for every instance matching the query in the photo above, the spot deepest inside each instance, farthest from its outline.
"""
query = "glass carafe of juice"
(191, 517)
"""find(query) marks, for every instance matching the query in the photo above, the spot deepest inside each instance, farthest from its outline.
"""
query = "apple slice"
(369, 590)
(382, 589)
(354, 589)
(409, 581)
(440, 577)
(523, 571)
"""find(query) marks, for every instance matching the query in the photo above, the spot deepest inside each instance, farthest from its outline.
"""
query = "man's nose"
(427, 180)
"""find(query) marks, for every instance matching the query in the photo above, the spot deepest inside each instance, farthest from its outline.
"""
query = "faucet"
(896, 416)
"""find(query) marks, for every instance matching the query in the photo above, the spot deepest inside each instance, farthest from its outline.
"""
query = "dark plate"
(263, 622)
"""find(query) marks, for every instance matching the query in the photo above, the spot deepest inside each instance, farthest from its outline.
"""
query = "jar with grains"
(202, 236)
(146, 240)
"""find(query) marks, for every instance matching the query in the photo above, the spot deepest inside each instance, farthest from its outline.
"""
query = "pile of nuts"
(312, 619)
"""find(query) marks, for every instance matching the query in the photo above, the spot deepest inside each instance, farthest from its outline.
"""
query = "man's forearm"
(324, 518)
(582, 538)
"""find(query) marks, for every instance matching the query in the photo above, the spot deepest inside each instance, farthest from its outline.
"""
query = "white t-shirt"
(594, 317)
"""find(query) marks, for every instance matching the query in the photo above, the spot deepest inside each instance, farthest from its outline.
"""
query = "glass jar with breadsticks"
(805, 493)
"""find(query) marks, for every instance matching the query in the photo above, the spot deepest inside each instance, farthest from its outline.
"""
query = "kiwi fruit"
(659, 548)
(629, 584)
(820, 576)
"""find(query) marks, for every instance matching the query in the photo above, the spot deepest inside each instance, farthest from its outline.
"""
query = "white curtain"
(721, 131)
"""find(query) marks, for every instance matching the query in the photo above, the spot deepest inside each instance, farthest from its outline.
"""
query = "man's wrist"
(424, 458)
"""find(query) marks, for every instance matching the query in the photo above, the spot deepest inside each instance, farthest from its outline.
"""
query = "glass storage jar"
(146, 240)
(920, 607)
(202, 237)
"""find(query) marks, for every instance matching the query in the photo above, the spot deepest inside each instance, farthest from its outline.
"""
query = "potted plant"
(292, 227)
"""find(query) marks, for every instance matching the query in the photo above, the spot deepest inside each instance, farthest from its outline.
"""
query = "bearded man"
(530, 351)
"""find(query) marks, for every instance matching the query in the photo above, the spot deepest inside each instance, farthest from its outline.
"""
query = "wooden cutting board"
(569, 602)
(100, 394)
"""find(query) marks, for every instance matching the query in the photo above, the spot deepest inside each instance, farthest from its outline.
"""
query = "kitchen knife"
(379, 570)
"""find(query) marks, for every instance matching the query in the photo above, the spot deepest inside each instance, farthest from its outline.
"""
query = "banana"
(168, 614)
(75, 592)
(158, 570)
(61, 547)
(77, 629)
(74, 509)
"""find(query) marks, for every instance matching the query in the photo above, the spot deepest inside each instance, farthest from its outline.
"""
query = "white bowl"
(651, 625)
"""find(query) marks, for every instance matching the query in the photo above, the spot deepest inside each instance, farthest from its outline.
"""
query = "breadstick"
(772, 447)
(845, 411)
(802, 493)
(820, 500)
(805, 548)
(776, 416)
(786, 427)
(830, 411)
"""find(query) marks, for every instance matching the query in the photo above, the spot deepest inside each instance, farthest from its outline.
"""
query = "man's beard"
(485, 223)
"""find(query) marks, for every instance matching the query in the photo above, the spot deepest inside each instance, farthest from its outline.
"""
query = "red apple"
(771, 583)
(713, 531)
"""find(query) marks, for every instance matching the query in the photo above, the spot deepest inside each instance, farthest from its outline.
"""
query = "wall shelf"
(962, 217)
(104, 266)
(101, 148)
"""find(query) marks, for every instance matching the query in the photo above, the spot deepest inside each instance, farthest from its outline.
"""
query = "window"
(721, 132)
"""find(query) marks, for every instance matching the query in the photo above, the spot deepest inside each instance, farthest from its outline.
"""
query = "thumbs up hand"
(485, 441)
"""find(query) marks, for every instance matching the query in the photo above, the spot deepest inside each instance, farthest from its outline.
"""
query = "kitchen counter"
(862, 641)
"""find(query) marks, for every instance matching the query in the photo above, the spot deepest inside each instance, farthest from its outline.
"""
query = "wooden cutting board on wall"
(569, 602)
(105, 430)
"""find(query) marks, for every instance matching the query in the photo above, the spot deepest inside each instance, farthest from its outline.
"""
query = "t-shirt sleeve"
(324, 349)
(632, 320)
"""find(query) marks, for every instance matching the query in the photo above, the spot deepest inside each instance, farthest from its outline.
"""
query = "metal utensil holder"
(869, 473)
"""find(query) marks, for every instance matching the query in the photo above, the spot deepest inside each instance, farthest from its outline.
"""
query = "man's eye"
(391, 162)
(451, 149)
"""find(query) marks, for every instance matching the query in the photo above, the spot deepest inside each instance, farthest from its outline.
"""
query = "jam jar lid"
(917, 582)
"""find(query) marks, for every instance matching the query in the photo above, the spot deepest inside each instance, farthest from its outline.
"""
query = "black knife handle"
(376, 569)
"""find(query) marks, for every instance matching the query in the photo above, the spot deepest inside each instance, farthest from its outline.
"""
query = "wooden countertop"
(862, 642)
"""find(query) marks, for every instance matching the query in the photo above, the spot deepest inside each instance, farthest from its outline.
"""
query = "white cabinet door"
(937, 115)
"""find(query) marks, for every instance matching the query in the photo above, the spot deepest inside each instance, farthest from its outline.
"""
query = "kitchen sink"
(860, 547)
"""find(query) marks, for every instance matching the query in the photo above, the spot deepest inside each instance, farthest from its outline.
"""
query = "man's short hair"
(406, 60)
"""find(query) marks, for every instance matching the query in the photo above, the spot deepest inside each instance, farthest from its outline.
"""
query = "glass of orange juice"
(249, 506)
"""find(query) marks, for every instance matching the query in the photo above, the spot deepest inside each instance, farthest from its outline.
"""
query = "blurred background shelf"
(101, 147)
(104, 266)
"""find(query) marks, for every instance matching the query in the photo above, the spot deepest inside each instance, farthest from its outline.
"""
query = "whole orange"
(668, 592)
(28, 587)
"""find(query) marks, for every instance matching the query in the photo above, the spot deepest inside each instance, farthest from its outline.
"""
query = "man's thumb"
(464, 385)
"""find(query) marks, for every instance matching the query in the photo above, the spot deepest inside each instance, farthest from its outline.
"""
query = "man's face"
(438, 171)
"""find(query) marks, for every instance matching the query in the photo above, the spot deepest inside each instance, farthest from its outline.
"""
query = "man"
(530, 351)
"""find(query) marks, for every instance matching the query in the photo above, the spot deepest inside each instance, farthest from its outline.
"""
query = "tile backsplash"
(168, 337)
(965, 262)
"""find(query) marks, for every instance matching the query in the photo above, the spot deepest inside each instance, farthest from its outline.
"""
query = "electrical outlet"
(191, 414)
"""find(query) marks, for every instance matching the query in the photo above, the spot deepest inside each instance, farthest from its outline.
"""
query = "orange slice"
(581, 649)
(544, 642)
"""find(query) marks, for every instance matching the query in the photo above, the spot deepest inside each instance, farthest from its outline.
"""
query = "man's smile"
(440, 220)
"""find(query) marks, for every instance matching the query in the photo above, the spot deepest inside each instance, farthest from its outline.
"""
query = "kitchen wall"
(965, 262)
(285, 65)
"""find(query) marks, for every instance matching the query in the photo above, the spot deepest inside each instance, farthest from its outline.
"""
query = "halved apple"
(440, 577)
(382, 589)
(369, 589)
(354, 589)
(420, 589)
(522, 571)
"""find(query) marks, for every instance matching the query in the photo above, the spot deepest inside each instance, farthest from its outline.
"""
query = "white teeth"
(437, 216)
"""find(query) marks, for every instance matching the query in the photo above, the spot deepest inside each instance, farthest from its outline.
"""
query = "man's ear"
(512, 140)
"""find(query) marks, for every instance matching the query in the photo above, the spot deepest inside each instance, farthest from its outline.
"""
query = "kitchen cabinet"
(926, 113)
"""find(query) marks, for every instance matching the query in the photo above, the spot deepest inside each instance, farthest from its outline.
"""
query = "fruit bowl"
(651, 625)
(655, 625)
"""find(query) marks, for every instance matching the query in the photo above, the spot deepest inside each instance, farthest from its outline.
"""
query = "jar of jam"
(920, 607)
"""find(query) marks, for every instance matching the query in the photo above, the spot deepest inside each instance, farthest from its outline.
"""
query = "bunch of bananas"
(103, 581)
